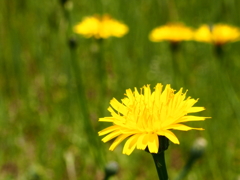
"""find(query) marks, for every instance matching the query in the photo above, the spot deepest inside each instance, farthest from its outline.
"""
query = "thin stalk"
(178, 65)
(107, 177)
(160, 164)
(101, 66)
(101, 74)
(184, 172)
(82, 100)
(226, 82)
(159, 158)
(195, 153)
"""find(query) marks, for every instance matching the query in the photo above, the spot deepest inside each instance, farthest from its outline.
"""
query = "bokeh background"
(44, 133)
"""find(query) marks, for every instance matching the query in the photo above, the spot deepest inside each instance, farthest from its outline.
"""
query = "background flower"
(144, 116)
(174, 32)
(218, 34)
(100, 27)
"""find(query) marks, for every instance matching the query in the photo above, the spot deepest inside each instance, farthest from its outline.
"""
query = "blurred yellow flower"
(100, 27)
(142, 117)
(172, 32)
(217, 34)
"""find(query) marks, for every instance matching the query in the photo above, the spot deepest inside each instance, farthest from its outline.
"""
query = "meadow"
(56, 84)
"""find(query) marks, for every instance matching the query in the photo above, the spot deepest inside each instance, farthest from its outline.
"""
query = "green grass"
(42, 123)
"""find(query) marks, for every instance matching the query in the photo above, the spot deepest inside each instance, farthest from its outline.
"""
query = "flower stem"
(160, 164)
(178, 65)
(101, 74)
(83, 103)
(226, 81)
(81, 96)
(187, 167)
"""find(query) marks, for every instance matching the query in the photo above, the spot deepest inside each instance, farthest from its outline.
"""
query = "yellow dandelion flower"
(100, 27)
(217, 34)
(143, 116)
(172, 32)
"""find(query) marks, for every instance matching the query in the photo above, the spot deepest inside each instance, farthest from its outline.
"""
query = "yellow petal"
(178, 99)
(182, 127)
(130, 145)
(108, 130)
(168, 134)
(118, 140)
(129, 94)
(107, 119)
(195, 109)
(111, 135)
(143, 141)
(136, 93)
(118, 106)
(126, 101)
(147, 93)
(191, 118)
(158, 90)
(113, 113)
(153, 143)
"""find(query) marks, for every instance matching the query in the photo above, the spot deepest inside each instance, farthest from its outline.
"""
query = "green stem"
(186, 168)
(226, 82)
(159, 159)
(178, 65)
(80, 89)
(101, 73)
(91, 134)
(82, 100)
(107, 177)
(160, 164)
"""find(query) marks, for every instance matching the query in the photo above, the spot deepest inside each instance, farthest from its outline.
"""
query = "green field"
(54, 85)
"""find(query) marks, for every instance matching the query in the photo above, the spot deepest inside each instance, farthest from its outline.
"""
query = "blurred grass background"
(42, 131)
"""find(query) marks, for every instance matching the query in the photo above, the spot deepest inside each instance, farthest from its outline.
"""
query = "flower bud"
(111, 169)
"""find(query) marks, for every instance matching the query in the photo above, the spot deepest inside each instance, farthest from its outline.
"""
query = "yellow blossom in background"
(143, 116)
(171, 32)
(100, 27)
(217, 34)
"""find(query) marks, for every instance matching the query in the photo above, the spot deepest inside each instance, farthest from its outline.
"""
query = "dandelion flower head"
(217, 34)
(143, 116)
(174, 32)
(100, 27)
